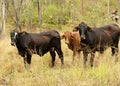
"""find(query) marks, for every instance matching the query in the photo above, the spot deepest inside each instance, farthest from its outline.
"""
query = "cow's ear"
(89, 28)
(75, 29)
(22, 33)
(62, 37)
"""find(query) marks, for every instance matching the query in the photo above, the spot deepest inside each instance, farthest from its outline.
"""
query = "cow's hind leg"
(52, 53)
(57, 45)
(115, 49)
(74, 54)
(115, 46)
(60, 53)
(115, 52)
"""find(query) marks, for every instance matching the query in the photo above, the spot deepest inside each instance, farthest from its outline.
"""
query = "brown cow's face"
(67, 36)
(13, 36)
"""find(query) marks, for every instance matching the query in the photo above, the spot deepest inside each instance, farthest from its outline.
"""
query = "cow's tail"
(119, 36)
(119, 29)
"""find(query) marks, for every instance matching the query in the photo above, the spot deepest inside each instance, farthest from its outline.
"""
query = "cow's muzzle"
(83, 37)
(66, 42)
(12, 43)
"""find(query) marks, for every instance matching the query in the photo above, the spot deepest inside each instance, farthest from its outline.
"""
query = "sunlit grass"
(12, 72)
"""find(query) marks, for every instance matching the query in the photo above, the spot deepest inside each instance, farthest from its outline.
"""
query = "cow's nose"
(12, 44)
(66, 42)
(83, 37)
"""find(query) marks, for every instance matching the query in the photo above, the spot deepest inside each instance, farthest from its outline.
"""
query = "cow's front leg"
(74, 54)
(85, 55)
(92, 58)
(27, 62)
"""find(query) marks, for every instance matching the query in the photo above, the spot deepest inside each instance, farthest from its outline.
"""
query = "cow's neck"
(90, 38)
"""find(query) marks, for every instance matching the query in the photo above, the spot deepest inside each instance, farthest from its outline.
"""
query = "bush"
(54, 15)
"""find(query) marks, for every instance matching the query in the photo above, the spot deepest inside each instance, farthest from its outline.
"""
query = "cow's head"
(83, 28)
(13, 36)
(67, 36)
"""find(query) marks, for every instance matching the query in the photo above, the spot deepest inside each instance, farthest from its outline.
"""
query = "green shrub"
(54, 15)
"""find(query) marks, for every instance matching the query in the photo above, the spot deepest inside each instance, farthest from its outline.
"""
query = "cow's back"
(45, 40)
(51, 33)
(111, 28)
(105, 35)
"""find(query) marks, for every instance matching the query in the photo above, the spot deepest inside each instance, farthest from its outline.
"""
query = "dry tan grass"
(13, 73)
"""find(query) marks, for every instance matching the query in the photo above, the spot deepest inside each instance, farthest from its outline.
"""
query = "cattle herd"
(83, 38)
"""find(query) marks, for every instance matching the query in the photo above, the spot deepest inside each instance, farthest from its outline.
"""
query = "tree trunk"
(30, 17)
(17, 10)
(46, 2)
(3, 18)
(119, 2)
(61, 15)
(17, 6)
(70, 10)
(82, 4)
(108, 8)
(39, 16)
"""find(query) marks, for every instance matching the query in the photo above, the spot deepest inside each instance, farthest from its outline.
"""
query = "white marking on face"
(15, 35)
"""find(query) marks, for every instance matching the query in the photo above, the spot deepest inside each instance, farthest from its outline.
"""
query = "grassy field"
(12, 72)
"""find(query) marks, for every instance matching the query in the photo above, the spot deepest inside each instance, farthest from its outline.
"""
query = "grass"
(12, 72)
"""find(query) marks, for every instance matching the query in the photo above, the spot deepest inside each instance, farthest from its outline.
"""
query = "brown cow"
(72, 39)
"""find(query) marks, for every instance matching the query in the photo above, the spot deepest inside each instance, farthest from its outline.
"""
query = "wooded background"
(62, 15)
(49, 14)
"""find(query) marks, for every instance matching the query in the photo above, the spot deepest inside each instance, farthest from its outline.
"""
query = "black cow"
(98, 39)
(37, 43)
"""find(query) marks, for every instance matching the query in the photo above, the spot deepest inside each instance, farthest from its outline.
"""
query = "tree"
(39, 15)
(3, 18)
(108, 7)
(82, 6)
(17, 11)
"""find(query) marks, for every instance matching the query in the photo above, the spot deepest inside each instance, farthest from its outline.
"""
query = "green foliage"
(50, 15)
(30, 13)
(54, 15)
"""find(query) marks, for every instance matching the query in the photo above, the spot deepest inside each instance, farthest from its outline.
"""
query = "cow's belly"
(41, 50)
